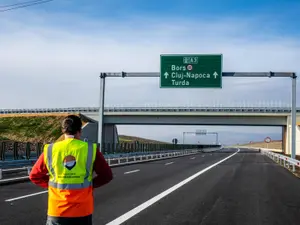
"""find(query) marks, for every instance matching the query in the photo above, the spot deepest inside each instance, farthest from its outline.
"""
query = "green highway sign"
(191, 71)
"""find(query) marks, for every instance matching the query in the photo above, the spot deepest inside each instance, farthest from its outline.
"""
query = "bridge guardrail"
(282, 159)
(15, 170)
(151, 109)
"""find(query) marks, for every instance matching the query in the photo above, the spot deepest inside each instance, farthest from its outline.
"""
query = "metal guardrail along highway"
(152, 109)
(16, 157)
(282, 159)
(126, 160)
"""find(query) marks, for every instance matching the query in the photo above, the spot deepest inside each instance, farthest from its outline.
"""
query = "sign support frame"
(101, 110)
(270, 74)
(266, 141)
(294, 122)
(204, 134)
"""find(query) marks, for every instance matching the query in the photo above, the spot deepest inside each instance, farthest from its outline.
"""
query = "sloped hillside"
(133, 139)
(43, 128)
(276, 144)
(33, 128)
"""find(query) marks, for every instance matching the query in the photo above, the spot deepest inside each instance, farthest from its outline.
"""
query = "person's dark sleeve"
(39, 173)
(103, 171)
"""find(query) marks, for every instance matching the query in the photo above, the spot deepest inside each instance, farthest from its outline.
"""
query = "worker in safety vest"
(66, 169)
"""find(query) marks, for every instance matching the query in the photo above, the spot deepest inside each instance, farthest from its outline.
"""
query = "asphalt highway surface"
(241, 187)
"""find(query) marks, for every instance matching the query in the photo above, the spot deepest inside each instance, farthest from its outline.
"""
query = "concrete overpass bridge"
(237, 116)
(221, 116)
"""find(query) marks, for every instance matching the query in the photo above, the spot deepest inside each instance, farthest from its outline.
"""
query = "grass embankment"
(31, 128)
(276, 144)
(132, 139)
(44, 128)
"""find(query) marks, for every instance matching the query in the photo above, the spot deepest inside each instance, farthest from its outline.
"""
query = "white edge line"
(156, 198)
(11, 179)
(14, 169)
(132, 171)
(25, 196)
(192, 158)
(169, 163)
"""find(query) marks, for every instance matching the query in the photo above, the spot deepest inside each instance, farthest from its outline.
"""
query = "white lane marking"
(192, 158)
(11, 179)
(169, 163)
(132, 171)
(203, 156)
(25, 196)
(156, 198)
(22, 169)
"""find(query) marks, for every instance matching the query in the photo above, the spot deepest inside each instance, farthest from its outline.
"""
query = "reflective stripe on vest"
(86, 183)
(70, 166)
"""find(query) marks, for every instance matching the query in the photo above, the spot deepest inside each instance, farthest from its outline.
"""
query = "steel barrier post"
(28, 170)
(293, 112)
(101, 109)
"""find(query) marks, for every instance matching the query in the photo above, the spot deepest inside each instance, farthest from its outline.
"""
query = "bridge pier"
(287, 130)
(110, 133)
(283, 138)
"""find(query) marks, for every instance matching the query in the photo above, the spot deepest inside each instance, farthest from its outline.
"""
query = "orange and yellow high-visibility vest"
(70, 165)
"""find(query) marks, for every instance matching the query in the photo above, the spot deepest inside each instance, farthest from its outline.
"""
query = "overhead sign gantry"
(207, 67)
(201, 132)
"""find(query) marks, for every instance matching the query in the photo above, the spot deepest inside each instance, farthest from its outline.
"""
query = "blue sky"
(280, 16)
(65, 44)
(169, 7)
(191, 8)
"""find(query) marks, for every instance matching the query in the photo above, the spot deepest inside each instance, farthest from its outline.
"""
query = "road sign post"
(101, 110)
(268, 140)
(175, 141)
(293, 115)
(191, 71)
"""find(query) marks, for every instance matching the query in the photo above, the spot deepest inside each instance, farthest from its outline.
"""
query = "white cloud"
(55, 60)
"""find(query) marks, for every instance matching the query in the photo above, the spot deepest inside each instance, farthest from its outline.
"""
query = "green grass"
(39, 128)
(132, 139)
(3, 138)
(31, 129)
(276, 144)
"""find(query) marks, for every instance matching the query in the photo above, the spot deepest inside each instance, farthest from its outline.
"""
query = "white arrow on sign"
(166, 75)
(215, 74)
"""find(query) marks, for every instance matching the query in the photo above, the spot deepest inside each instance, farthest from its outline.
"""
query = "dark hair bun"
(71, 124)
